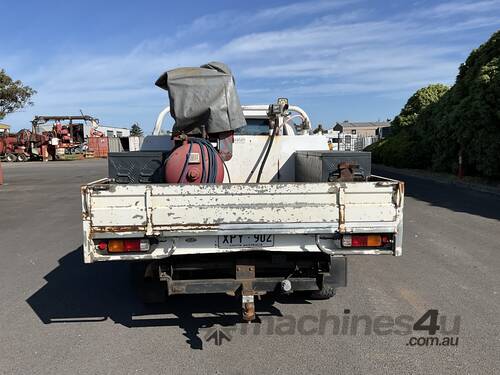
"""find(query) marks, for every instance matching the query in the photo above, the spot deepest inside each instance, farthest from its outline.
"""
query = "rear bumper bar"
(331, 272)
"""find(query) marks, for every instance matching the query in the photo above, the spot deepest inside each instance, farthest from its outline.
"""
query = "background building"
(109, 131)
(355, 136)
(362, 129)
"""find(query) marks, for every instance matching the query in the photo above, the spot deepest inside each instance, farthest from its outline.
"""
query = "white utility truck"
(241, 237)
(238, 199)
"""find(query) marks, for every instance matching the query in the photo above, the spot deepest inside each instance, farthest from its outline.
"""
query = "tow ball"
(248, 305)
(248, 299)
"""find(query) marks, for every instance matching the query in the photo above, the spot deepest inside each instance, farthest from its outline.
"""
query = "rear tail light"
(103, 245)
(125, 245)
(365, 240)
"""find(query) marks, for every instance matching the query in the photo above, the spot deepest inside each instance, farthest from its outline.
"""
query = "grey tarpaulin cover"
(203, 96)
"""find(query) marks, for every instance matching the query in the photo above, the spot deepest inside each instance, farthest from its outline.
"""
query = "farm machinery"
(63, 137)
(15, 147)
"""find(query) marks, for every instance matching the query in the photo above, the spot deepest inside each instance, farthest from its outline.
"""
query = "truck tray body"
(187, 219)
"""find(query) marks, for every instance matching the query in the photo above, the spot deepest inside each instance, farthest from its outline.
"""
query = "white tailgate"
(274, 208)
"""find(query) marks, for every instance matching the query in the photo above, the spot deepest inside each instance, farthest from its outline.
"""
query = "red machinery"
(64, 138)
(15, 147)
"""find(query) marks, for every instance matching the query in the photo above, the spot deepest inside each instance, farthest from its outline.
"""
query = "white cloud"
(460, 7)
(334, 51)
(266, 17)
(302, 8)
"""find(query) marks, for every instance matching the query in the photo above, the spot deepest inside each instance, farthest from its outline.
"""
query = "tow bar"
(246, 274)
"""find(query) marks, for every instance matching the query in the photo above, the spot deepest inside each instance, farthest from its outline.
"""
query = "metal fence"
(122, 144)
(363, 142)
(352, 142)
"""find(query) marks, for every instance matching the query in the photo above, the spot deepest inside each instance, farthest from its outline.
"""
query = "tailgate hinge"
(341, 203)
(149, 211)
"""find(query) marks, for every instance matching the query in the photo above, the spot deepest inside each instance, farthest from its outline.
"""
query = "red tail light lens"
(385, 239)
(365, 240)
(132, 245)
(103, 245)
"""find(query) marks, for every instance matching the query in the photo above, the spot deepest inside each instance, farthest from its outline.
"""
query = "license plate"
(245, 240)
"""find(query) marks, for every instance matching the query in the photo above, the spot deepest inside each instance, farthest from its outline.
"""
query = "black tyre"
(325, 292)
(10, 157)
(22, 158)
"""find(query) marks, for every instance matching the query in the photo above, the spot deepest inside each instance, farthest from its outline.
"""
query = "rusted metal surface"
(119, 229)
(401, 193)
(341, 251)
(341, 205)
(346, 171)
(99, 146)
(226, 140)
(191, 207)
(293, 212)
(249, 311)
(246, 274)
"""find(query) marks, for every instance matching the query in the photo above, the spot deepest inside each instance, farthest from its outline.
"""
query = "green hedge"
(437, 124)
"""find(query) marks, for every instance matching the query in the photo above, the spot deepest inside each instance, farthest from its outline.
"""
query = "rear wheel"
(22, 157)
(10, 157)
(325, 292)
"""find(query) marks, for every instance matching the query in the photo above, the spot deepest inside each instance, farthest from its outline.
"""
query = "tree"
(417, 103)
(408, 145)
(136, 130)
(13, 95)
(438, 126)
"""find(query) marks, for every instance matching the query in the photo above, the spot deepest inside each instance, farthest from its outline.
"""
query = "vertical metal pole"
(1, 174)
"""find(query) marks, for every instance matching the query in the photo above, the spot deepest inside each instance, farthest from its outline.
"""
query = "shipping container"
(99, 146)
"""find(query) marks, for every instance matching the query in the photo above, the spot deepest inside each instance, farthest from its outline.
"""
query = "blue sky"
(338, 59)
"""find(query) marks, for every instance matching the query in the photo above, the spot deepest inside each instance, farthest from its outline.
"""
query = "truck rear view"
(239, 200)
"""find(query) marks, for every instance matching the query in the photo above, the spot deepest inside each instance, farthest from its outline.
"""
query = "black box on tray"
(136, 167)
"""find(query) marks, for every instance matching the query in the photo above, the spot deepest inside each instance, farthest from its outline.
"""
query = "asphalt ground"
(59, 315)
